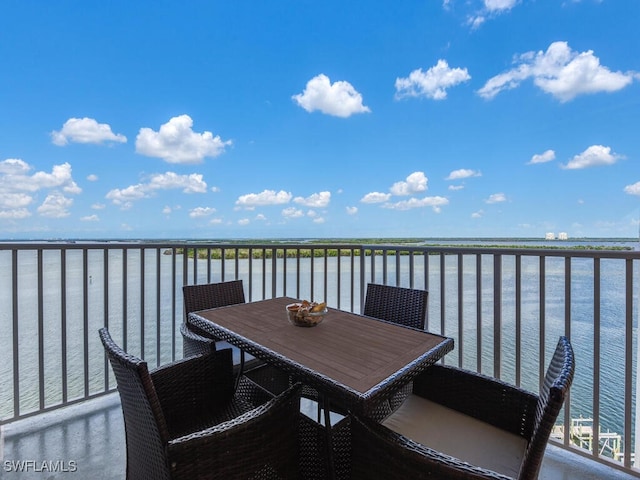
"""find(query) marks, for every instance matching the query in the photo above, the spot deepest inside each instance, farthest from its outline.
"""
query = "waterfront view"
(143, 305)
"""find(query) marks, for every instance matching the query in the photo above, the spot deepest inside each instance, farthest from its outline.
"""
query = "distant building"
(550, 236)
(563, 236)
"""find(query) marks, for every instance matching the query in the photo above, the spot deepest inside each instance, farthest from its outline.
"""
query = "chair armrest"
(191, 387)
(378, 452)
(265, 437)
(490, 400)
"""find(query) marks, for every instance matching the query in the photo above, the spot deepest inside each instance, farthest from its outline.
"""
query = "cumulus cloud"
(453, 188)
(633, 189)
(201, 212)
(491, 8)
(496, 198)
(352, 210)
(244, 221)
(176, 142)
(431, 84)
(434, 202)
(19, 188)
(414, 183)
(266, 197)
(55, 205)
(339, 99)
(92, 177)
(317, 200)
(477, 214)
(560, 72)
(292, 212)
(85, 130)
(375, 197)
(594, 156)
(544, 157)
(90, 218)
(125, 197)
(463, 173)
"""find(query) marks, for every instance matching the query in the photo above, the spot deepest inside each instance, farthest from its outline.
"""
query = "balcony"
(505, 308)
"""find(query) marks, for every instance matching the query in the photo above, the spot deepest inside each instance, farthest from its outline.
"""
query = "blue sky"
(431, 118)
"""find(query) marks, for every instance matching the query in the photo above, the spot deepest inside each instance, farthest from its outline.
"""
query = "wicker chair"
(463, 425)
(194, 344)
(404, 306)
(183, 420)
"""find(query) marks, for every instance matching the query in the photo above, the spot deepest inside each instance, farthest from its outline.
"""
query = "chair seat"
(458, 435)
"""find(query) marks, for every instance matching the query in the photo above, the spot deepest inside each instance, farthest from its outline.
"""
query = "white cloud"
(352, 210)
(15, 214)
(477, 214)
(317, 200)
(176, 142)
(415, 183)
(90, 218)
(201, 212)
(292, 212)
(92, 177)
(499, 5)
(166, 210)
(18, 188)
(339, 99)
(491, 8)
(633, 189)
(55, 205)
(593, 156)
(319, 220)
(561, 72)
(244, 221)
(85, 130)
(266, 197)
(13, 176)
(433, 83)
(192, 183)
(435, 202)
(14, 200)
(496, 198)
(125, 197)
(98, 206)
(463, 173)
(455, 187)
(261, 217)
(544, 157)
(375, 197)
(216, 221)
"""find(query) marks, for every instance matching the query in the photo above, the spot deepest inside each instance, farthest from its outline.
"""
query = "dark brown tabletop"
(358, 359)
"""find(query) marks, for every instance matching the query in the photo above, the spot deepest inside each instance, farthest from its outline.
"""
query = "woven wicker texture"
(183, 420)
(404, 306)
(378, 452)
(223, 294)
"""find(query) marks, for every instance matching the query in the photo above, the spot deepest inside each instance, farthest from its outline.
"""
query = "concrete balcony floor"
(90, 435)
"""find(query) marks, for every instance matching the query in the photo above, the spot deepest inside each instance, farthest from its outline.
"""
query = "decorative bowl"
(300, 316)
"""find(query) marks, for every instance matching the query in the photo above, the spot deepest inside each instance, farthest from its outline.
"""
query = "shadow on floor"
(86, 441)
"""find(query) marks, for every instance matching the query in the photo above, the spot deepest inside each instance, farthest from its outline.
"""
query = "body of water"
(149, 293)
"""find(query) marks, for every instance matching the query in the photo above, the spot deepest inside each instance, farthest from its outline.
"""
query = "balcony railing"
(505, 308)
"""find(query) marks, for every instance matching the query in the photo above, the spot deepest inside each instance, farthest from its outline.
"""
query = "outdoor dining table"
(351, 359)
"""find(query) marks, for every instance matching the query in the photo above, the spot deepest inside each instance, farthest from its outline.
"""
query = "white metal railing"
(505, 308)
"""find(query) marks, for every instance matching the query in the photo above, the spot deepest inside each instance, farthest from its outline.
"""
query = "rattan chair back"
(145, 427)
(404, 306)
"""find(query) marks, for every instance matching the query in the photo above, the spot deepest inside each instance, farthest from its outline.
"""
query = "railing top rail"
(534, 251)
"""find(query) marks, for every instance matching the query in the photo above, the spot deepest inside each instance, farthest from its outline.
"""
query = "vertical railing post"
(497, 315)
(39, 282)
